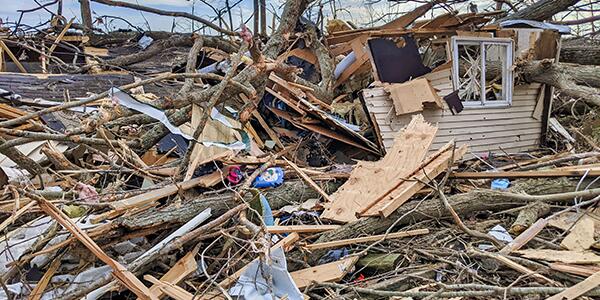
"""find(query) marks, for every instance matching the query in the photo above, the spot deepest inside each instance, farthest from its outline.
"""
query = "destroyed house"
(461, 80)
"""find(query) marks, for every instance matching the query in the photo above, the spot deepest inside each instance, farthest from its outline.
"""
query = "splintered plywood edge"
(329, 272)
(369, 179)
(415, 183)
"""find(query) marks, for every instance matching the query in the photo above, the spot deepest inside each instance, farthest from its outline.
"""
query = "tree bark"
(21, 159)
(86, 15)
(583, 51)
(577, 81)
(541, 10)
(161, 45)
(290, 192)
(464, 204)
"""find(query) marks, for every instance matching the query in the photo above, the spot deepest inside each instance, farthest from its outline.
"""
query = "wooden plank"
(579, 289)
(268, 129)
(38, 291)
(524, 237)
(151, 196)
(408, 18)
(333, 271)
(12, 57)
(182, 268)
(308, 180)
(123, 275)
(357, 65)
(172, 290)
(301, 228)
(296, 91)
(575, 269)
(285, 100)
(16, 215)
(366, 239)
(321, 130)
(148, 198)
(385, 193)
(524, 174)
(255, 136)
(408, 188)
(368, 179)
(59, 37)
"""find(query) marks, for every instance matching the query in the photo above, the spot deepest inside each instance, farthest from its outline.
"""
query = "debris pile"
(409, 160)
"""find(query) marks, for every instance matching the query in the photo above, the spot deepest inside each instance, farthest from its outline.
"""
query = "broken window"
(482, 70)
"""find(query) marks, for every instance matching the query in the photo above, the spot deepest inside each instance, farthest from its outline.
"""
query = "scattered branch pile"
(305, 164)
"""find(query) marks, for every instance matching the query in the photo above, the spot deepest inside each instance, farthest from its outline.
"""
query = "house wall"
(512, 129)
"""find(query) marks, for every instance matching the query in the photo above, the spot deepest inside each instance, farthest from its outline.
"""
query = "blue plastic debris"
(500, 184)
(267, 213)
(333, 255)
(272, 177)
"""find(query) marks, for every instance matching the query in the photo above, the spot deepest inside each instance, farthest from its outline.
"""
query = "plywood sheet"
(368, 179)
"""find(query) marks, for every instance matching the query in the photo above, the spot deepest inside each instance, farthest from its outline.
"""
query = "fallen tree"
(573, 80)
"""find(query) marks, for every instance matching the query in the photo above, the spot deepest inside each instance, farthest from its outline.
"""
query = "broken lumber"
(125, 277)
(373, 238)
(369, 178)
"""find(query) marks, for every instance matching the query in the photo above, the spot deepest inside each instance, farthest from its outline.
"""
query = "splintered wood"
(369, 179)
(119, 271)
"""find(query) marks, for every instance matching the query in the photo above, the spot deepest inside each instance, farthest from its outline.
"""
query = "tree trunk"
(86, 15)
(577, 81)
(464, 204)
(583, 51)
(263, 18)
(541, 10)
(291, 192)
(256, 17)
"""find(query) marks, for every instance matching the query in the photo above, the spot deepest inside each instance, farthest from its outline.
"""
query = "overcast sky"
(358, 11)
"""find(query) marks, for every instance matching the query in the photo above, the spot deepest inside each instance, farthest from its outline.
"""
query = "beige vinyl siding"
(510, 129)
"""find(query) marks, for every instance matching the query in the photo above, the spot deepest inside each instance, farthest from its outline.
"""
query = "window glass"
(495, 64)
(469, 89)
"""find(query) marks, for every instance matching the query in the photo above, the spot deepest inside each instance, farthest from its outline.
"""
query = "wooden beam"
(524, 237)
(301, 228)
(182, 268)
(268, 129)
(308, 180)
(16, 215)
(524, 174)
(289, 102)
(59, 37)
(38, 291)
(154, 195)
(172, 290)
(373, 238)
(12, 57)
(333, 271)
(579, 289)
(407, 19)
(123, 275)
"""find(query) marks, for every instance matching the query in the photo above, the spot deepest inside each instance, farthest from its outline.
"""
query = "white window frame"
(507, 70)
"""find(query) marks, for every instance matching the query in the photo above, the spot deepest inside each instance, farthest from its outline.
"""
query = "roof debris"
(303, 165)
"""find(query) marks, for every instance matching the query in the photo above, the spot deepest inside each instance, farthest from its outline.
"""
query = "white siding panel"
(483, 129)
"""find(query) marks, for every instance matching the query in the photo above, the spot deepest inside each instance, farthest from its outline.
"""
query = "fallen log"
(577, 81)
(289, 193)
(463, 204)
